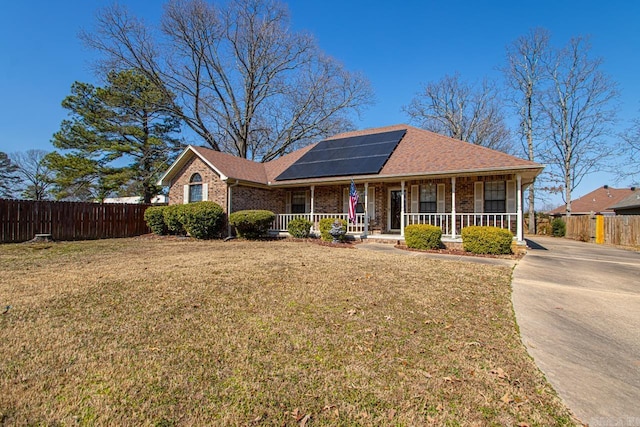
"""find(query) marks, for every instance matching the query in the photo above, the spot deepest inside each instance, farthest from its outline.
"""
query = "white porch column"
(312, 207)
(453, 207)
(366, 209)
(402, 209)
(519, 227)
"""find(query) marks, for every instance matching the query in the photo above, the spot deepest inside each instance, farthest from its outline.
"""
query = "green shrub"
(154, 218)
(423, 236)
(299, 228)
(173, 219)
(325, 225)
(203, 220)
(558, 227)
(252, 224)
(487, 240)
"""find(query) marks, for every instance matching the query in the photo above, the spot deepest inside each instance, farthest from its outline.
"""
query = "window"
(428, 198)
(195, 188)
(495, 197)
(298, 202)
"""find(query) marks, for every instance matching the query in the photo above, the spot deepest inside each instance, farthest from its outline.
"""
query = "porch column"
(312, 207)
(402, 208)
(366, 209)
(519, 235)
(453, 207)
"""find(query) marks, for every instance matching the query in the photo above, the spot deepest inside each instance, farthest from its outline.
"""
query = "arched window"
(195, 188)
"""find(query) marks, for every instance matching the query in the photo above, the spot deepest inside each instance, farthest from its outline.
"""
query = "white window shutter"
(205, 192)
(371, 202)
(511, 196)
(287, 207)
(441, 198)
(185, 197)
(307, 201)
(478, 190)
(345, 200)
(415, 198)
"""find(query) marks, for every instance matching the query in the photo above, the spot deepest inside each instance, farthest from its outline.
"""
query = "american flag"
(353, 201)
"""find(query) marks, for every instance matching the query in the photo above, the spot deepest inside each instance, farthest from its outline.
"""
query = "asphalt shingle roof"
(420, 152)
(599, 200)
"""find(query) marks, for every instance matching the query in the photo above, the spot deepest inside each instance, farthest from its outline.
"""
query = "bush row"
(202, 220)
(478, 240)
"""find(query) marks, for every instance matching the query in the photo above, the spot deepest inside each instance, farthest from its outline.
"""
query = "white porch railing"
(443, 220)
(281, 223)
(501, 220)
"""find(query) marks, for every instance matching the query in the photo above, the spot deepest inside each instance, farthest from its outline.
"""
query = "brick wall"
(244, 197)
(217, 189)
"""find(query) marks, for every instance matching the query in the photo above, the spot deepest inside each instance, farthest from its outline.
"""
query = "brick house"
(404, 175)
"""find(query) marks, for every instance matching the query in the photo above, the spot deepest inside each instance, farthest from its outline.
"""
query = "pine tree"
(119, 136)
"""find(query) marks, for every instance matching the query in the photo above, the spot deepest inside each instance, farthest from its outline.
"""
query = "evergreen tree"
(118, 136)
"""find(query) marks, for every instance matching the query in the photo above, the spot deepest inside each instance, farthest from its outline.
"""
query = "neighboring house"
(404, 175)
(599, 201)
(159, 199)
(629, 205)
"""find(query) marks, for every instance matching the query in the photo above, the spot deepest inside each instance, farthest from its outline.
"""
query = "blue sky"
(399, 46)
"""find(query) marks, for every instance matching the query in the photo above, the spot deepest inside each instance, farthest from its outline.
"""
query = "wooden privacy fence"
(621, 230)
(21, 220)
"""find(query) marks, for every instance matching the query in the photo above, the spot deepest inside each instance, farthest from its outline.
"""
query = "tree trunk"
(532, 210)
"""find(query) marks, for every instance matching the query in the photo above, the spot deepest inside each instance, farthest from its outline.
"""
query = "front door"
(395, 209)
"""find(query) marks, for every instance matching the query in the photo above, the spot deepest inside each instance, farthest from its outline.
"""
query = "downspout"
(229, 193)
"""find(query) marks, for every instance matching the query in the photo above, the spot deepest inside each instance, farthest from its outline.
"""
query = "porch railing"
(281, 223)
(442, 220)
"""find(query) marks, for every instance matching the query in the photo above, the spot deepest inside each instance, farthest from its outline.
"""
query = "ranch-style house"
(404, 175)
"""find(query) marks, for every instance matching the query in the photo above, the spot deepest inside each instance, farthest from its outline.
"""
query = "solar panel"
(356, 155)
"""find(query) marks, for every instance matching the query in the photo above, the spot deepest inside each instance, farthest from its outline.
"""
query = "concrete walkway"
(578, 308)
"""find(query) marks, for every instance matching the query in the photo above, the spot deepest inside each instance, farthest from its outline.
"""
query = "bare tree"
(8, 176)
(580, 111)
(463, 111)
(33, 173)
(525, 74)
(243, 81)
(631, 152)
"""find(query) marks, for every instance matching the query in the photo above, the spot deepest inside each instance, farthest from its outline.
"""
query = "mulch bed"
(460, 252)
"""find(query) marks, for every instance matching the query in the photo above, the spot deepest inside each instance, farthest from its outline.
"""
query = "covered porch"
(385, 209)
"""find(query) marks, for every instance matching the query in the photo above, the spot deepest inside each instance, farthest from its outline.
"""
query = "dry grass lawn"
(178, 332)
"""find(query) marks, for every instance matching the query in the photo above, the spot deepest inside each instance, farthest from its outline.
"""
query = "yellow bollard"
(599, 229)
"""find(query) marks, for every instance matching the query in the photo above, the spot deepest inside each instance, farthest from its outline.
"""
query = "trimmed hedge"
(202, 220)
(423, 236)
(173, 219)
(154, 218)
(252, 224)
(487, 240)
(299, 228)
(558, 227)
(325, 226)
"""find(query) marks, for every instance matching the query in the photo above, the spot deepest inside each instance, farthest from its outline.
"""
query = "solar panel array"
(356, 155)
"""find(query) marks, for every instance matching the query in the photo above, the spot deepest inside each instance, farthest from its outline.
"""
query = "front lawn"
(162, 331)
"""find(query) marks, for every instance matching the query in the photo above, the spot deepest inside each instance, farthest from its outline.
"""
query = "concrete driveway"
(578, 308)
